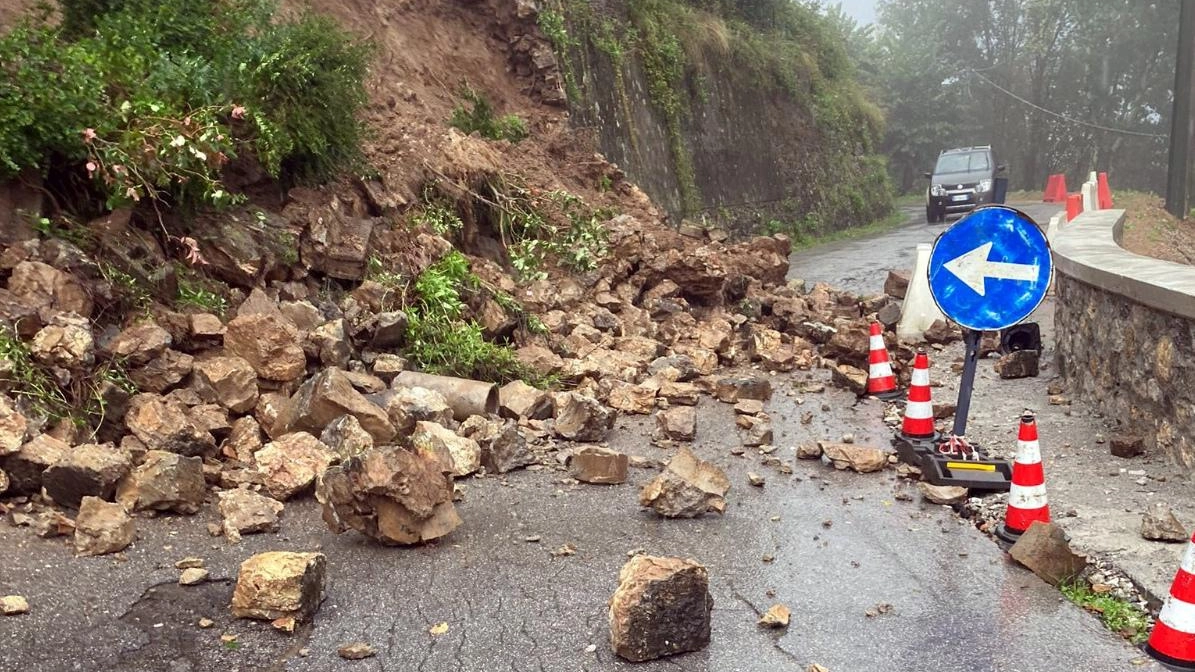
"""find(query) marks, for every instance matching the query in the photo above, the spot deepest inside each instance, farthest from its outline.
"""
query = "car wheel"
(929, 214)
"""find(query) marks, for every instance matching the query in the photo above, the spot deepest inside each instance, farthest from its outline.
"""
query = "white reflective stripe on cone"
(881, 370)
(1178, 615)
(920, 377)
(877, 342)
(1189, 559)
(1027, 496)
(919, 410)
(1028, 452)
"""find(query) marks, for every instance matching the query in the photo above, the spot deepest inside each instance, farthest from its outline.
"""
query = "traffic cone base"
(1172, 641)
(881, 382)
(919, 410)
(1027, 501)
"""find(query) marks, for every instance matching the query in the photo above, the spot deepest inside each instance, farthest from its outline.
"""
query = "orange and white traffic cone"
(919, 411)
(1027, 494)
(1172, 641)
(881, 382)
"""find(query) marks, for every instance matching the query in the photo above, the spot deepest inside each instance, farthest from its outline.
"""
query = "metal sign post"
(971, 339)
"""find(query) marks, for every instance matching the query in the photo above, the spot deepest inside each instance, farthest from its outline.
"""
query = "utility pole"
(1180, 123)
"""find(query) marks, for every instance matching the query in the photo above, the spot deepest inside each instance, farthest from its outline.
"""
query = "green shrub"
(479, 118)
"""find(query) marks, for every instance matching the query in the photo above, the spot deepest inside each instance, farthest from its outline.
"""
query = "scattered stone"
(943, 494)
(165, 423)
(679, 394)
(461, 456)
(517, 400)
(661, 608)
(1127, 445)
(290, 464)
(164, 482)
(1160, 524)
(809, 451)
(247, 512)
(139, 344)
(163, 373)
(564, 551)
(594, 464)
(206, 623)
(755, 479)
(48, 289)
(732, 390)
(944, 410)
(749, 407)
(393, 495)
(13, 605)
(331, 342)
(324, 398)
(228, 381)
(897, 283)
(243, 440)
(356, 651)
(582, 418)
(87, 470)
(688, 487)
(776, 617)
(889, 315)
(390, 330)
(279, 584)
(269, 344)
(13, 427)
(503, 447)
(857, 458)
(388, 365)
(629, 398)
(759, 430)
(192, 576)
(1045, 550)
(66, 342)
(849, 378)
(407, 405)
(677, 424)
(878, 610)
(1019, 364)
(26, 466)
(102, 527)
(346, 437)
(942, 333)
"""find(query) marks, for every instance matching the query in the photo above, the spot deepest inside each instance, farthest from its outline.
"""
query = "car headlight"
(937, 190)
(985, 185)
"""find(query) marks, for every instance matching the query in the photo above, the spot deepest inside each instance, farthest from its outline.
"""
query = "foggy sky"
(861, 10)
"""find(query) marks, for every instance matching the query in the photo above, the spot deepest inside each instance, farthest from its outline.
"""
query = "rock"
(269, 344)
(749, 407)
(857, 458)
(1127, 445)
(247, 512)
(26, 466)
(393, 495)
(1045, 550)
(205, 328)
(677, 424)
(228, 381)
(4, 482)
(809, 451)
(849, 378)
(503, 447)
(850, 344)
(337, 244)
(1160, 524)
(390, 330)
(13, 605)
(65, 342)
(87, 470)
(162, 374)
(462, 455)
(1018, 364)
(346, 437)
(163, 423)
(944, 410)
(517, 399)
(661, 608)
(777, 616)
(13, 427)
(582, 418)
(102, 527)
(593, 464)
(943, 333)
(679, 394)
(759, 430)
(897, 283)
(331, 344)
(279, 584)
(49, 290)
(628, 398)
(539, 358)
(164, 482)
(732, 390)
(290, 464)
(675, 368)
(192, 576)
(243, 440)
(889, 315)
(138, 345)
(755, 479)
(688, 487)
(943, 494)
(406, 406)
(326, 397)
(356, 651)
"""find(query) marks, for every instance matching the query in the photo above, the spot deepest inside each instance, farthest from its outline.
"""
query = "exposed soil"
(1153, 232)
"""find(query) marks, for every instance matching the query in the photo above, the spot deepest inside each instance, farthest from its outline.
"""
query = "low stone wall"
(1125, 330)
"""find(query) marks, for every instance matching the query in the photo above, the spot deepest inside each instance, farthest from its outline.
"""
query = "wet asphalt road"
(842, 544)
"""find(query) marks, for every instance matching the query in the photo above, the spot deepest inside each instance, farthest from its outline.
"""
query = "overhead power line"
(1067, 118)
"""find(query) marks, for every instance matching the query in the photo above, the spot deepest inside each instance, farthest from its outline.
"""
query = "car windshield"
(961, 163)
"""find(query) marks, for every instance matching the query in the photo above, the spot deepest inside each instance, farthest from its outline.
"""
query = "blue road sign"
(991, 269)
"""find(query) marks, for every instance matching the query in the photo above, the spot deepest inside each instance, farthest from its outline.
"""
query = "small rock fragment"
(857, 458)
(279, 584)
(755, 479)
(661, 608)
(356, 651)
(13, 605)
(247, 512)
(942, 494)
(776, 617)
(732, 390)
(192, 576)
(809, 451)
(1160, 524)
(678, 423)
(1127, 445)
(749, 407)
(206, 623)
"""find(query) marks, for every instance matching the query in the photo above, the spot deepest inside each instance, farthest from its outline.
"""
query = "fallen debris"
(688, 487)
(582, 418)
(594, 464)
(1045, 550)
(777, 616)
(1127, 445)
(732, 390)
(279, 584)
(678, 423)
(102, 527)
(943, 494)
(1018, 364)
(356, 651)
(661, 608)
(861, 459)
(755, 479)
(164, 482)
(13, 605)
(89, 470)
(247, 512)
(1160, 524)
(290, 464)
(192, 576)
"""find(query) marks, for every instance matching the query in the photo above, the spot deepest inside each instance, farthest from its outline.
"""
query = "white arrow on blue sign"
(991, 269)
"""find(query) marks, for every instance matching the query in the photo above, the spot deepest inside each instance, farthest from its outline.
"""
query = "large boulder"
(228, 381)
(582, 418)
(269, 344)
(290, 464)
(247, 512)
(165, 423)
(13, 427)
(326, 397)
(26, 466)
(164, 482)
(87, 470)
(280, 584)
(461, 455)
(503, 447)
(102, 527)
(49, 290)
(661, 608)
(688, 487)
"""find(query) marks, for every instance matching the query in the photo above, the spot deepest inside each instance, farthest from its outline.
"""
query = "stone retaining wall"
(1125, 331)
